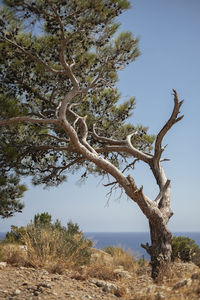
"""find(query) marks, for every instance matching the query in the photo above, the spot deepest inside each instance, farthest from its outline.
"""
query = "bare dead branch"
(111, 183)
(135, 152)
(146, 247)
(172, 120)
(162, 191)
(131, 165)
(75, 161)
(83, 126)
(107, 140)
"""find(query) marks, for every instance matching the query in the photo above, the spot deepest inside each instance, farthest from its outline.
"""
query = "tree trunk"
(160, 249)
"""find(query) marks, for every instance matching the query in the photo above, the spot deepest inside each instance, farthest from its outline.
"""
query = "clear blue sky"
(169, 33)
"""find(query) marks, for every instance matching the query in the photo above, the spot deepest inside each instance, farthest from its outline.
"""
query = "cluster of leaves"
(31, 34)
(38, 236)
(11, 191)
(185, 249)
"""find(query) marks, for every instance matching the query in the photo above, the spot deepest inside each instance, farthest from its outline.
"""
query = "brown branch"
(147, 248)
(55, 137)
(71, 164)
(130, 165)
(83, 126)
(107, 140)
(172, 120)
(46, 147)
(53, 92)
(63, 62)
(135, 152)
(111, 183)
(28, 120)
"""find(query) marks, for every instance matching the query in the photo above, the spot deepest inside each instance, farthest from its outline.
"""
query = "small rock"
(44, 285)
(17, 292)
(69, 294)
(109, 288)
(159, 296)
(36, 293)
(195, 276)
(180, 284)
(99, 283)
(3, 265)
(122, 274)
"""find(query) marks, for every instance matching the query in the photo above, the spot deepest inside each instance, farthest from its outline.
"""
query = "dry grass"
(99, 271)
(139, 287)
(122, 258)
(46, 248)
(13, 255)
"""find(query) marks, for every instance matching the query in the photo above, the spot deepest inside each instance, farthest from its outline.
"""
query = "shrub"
(51, 245)
(14, 236)
(184, 248)
(13, 254)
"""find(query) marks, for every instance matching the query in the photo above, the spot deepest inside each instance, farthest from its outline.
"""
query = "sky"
(169, 33)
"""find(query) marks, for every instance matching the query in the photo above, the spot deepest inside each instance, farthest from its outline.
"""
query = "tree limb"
(135, 152)
(63, 62)
(162, 191)
(172, 120)
(55, 137)
(107, 140)
(147, 248)
(28, 120)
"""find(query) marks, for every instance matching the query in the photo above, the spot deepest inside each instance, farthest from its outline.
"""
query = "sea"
(131, 241)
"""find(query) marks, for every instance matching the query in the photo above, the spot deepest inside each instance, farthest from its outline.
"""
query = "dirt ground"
(29, 283)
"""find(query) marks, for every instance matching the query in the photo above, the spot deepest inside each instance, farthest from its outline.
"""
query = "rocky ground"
(29, 283)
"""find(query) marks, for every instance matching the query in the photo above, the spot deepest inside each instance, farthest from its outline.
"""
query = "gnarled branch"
(28, 120)
(172, 120)
(108, 141)
(135, 152)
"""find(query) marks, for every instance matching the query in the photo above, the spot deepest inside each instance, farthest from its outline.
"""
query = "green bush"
(14, 236)
(184, 248)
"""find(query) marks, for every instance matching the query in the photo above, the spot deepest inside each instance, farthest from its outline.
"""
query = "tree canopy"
(46, 48)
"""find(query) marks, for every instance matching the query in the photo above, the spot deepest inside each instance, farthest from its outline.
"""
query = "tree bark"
(160, 250)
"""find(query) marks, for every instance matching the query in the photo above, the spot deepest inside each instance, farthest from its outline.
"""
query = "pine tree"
(61, 110)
